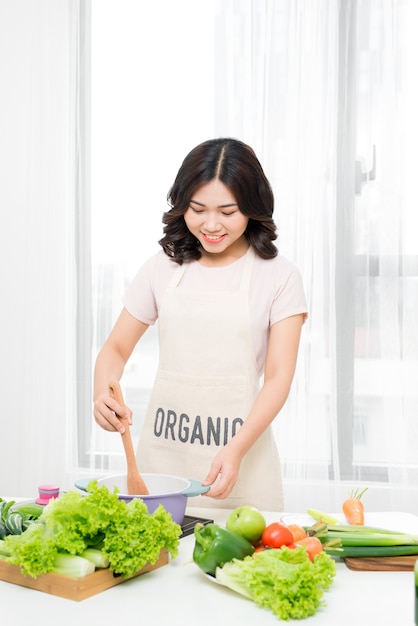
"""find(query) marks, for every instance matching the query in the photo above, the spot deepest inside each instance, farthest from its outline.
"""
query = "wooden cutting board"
(382, 563)
(73, 588)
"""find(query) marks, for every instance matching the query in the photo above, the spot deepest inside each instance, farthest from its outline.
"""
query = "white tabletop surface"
(179, 594)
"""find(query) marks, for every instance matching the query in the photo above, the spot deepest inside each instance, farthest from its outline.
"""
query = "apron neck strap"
(248, 269)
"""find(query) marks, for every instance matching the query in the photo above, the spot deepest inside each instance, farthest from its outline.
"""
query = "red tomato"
(276, 535)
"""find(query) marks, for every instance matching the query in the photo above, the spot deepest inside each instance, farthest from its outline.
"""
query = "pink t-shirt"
(276, 291)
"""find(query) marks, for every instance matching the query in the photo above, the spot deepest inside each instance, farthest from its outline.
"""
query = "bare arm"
(110, 365)
(279, 370)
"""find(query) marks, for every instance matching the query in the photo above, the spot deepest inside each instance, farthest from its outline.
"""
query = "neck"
(220, 259)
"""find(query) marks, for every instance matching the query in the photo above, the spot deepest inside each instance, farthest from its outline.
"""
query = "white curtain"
(326, 93)
(39, 167)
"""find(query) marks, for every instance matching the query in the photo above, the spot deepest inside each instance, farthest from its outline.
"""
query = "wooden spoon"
(135, 482)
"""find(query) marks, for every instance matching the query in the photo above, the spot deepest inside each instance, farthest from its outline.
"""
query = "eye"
(196, 210)
(228, 214)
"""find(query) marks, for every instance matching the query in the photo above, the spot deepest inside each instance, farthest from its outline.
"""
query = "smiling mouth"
(213, 238)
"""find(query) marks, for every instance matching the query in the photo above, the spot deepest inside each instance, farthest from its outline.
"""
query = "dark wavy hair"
(235, 164)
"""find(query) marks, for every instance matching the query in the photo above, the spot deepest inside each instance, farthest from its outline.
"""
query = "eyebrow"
(221, 206)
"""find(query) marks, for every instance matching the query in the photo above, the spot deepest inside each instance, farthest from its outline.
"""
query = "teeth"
(214, 237)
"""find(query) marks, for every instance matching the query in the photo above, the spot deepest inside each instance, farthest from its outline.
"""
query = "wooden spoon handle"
(135, 482)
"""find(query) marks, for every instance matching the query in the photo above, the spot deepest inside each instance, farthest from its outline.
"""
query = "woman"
(230, 312)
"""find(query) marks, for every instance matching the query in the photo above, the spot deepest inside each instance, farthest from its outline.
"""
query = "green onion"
(378, 539)
(371, 551)
(342, 535)
(364, 530)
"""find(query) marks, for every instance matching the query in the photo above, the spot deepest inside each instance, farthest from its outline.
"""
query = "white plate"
(391, 520)
(213, 579)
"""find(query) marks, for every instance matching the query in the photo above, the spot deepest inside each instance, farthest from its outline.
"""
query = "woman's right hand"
(109, 414)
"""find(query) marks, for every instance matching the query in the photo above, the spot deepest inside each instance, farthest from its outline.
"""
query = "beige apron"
(205, 385)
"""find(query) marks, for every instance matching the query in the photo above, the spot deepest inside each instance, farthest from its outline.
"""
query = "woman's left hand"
(223, 475)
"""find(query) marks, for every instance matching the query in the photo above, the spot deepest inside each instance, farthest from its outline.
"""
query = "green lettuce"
(125, 532)
(283, 580)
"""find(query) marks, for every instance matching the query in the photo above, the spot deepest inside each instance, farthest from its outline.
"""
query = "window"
(151, 102)
(327, 99)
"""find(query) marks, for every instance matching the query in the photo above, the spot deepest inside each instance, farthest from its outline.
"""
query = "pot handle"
(196, 489)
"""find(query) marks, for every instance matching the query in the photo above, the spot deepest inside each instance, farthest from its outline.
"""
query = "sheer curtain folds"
(39, 168)
(324, 90)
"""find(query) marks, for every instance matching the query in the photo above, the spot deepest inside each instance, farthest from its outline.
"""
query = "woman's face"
(214, 218)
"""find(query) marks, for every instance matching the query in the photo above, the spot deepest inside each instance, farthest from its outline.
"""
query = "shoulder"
(143, 295)
(278, 270)
(152, 276)
(157, 264)
(279, 282)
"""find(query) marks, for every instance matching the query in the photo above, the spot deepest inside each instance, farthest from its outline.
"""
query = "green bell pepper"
(215, 546)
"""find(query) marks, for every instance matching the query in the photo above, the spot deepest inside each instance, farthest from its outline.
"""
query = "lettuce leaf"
(126, 533)
(283, 580)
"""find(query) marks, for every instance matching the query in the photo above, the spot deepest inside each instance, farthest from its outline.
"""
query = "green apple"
(247, 521)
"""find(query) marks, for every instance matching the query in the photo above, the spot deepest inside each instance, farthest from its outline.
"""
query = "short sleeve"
(139, 299)
(289, 298)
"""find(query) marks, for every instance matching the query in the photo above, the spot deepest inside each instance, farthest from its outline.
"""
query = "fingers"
(222, 482)
(213, 474)
(221, 490)
(110, 414)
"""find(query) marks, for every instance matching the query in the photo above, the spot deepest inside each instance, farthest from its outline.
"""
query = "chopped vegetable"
(353, 508)
(345, 540)
(215, 546)
(313, 546)
(360, 530)
(297, 531)
(126, 532)
(371, 551)
(64, 564)
(285, 580)
(367, 536)
(97, 557)
(377, 539)
(324, 517)
(72, 566)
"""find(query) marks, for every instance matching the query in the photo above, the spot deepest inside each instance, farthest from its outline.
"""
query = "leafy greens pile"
(125, 532)
(283, 580)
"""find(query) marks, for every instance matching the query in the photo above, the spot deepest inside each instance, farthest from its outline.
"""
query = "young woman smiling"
(230, 311)
(214, 218)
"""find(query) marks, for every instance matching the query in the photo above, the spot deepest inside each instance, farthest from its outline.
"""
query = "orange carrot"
(297, 531)
(353, 508)
(313, 546)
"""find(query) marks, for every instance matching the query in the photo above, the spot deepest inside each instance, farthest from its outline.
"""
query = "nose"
(212, 222)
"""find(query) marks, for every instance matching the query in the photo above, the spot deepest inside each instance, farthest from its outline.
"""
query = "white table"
(179, 594)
